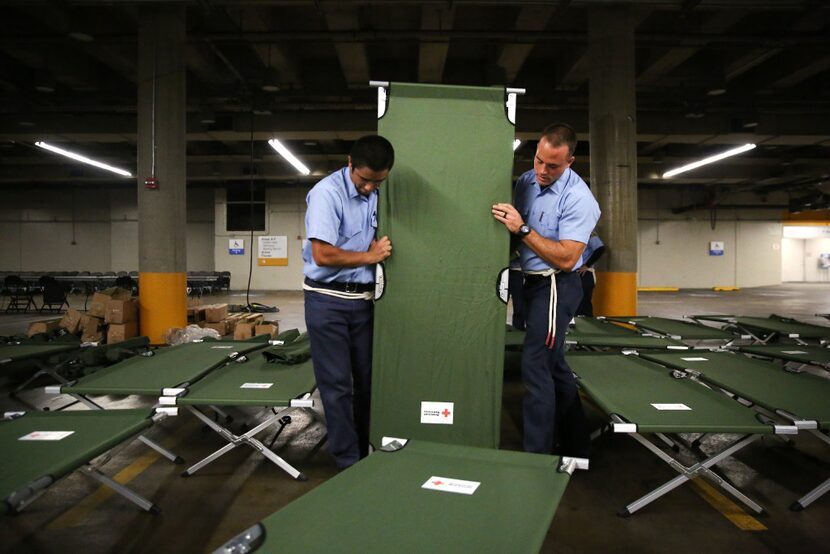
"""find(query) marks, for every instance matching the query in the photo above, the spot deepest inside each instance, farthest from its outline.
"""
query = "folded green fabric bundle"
(296, 348)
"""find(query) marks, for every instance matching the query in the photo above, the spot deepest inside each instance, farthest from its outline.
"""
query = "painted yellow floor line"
(77, 513)
(729, 509)
(658, 289)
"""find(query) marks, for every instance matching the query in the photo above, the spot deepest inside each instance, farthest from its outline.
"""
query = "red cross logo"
(446, 413)
(438, 483)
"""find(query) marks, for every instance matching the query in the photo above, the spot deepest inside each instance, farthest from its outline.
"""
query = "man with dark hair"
(553, 214)
(339, 265)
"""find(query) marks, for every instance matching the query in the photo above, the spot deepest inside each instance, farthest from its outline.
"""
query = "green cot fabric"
(94, 433)
(440, 327)
(629, 386)
(629, 341)
(107, 354)
(794, 353)
(681, 330)
(294, 351)
(589, 326)
(18, 352)
(779, 325)
(806, 396)
(378, 505)
(169, 367)
(232, 385)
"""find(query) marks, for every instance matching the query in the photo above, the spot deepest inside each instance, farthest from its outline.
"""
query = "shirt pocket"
(551, 225)
(350, 229)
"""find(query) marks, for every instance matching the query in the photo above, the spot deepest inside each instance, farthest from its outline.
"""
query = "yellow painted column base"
(615, 293)
(162, 303)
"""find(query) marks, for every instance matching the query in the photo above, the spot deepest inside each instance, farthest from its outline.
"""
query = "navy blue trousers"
(515, 291)
(586, 307)
(341, 350)
(552, 411)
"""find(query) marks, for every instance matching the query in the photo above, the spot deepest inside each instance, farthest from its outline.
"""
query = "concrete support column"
(162, 213)
(613, 135)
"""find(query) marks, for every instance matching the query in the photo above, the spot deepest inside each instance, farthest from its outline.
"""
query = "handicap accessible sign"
(236, 247)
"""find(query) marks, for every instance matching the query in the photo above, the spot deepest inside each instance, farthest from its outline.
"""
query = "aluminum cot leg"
(247, 438)
(817, 492)
(129, 494)
(686, 473)
(810, 497)
(161, 450)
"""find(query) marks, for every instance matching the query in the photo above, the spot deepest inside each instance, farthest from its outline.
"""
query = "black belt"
(341, 287)
(531, 278)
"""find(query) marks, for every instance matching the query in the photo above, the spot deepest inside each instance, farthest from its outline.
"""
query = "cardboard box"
(71, 321)
(121, 311)
(42, 327)
(220, 327)
(98, 304)
(243, 331)
(269, 328)
(215, 313)
(92, 328)
(196, 314)
(90, 322)
(119, 332)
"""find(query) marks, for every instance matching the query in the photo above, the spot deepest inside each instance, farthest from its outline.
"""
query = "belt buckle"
(351, 287)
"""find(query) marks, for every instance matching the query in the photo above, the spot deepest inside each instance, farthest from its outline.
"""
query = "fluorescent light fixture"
(289, 157)
(710, 159)
(82, 159)
(516, 144)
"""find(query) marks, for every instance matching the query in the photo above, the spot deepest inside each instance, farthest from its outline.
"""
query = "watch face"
(524, 230)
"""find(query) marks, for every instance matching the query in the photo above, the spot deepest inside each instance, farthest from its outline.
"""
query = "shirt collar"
(557, 186)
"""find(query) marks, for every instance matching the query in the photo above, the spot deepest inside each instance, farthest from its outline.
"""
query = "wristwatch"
(523, 231)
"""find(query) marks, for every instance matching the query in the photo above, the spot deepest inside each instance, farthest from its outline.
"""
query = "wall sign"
(236, 247)
(716, 248)
(273, 251)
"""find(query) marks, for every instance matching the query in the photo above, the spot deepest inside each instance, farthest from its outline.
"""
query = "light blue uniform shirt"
(593, 244)
(341, 216)
(564, 210)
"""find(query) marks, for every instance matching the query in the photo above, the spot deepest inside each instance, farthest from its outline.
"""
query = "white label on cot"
(256, 385)
(695, 359)
(445, 484)
(440, 413)
(671, 406)
(793, 352)
(46, 436)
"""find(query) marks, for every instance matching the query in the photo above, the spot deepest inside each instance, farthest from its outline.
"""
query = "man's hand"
(508, 216)
(380, 249)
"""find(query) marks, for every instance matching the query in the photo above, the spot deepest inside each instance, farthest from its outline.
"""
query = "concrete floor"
(200, 512)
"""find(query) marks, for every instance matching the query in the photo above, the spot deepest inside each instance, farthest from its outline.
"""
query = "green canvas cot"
(421, 497)
(439, 325)
(41, 447)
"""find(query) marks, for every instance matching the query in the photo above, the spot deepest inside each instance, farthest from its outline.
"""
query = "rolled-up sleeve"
(579, 218)
(322, 218)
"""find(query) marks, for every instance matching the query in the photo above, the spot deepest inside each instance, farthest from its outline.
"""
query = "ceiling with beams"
(710, 74)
